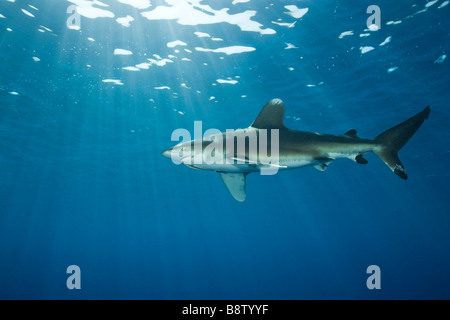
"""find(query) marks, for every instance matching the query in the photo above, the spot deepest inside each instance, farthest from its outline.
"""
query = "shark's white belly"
(283, 163)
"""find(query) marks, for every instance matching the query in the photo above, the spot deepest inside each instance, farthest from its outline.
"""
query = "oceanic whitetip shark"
(290, 149)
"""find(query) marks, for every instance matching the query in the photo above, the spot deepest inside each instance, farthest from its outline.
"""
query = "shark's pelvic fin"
(235, 183)
(271, 116)
(392, 140)
(321, 166)
(322, 163)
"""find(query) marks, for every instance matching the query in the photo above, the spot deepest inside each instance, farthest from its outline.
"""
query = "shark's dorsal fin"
(271, 116)
(235, 183)
(351, 134)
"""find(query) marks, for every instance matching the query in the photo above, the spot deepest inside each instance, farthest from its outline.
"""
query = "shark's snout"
(167, 153)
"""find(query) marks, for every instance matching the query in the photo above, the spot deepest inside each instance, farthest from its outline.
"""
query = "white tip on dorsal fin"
(271, 116)
(235, 183)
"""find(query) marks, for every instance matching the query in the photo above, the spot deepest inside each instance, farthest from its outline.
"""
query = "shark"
(294, 148)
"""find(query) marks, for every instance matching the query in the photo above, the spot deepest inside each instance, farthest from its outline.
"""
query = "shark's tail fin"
(392, 140)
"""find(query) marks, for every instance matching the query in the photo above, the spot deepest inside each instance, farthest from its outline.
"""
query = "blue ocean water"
(83, 181)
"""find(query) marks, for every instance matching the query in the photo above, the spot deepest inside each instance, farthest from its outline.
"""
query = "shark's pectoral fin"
(235, 183)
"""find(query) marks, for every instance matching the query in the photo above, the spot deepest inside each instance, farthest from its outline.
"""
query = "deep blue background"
(82, 179)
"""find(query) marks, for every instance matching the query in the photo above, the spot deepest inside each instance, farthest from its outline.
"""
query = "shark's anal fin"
(359, 159)
(235, 183)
